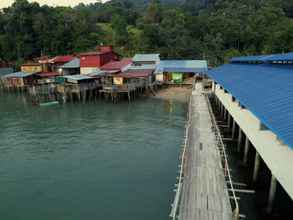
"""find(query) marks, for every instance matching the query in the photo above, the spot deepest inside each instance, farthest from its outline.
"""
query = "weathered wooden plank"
(204, 193)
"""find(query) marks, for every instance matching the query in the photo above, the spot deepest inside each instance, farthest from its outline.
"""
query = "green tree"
(120, 33)
(154, 10)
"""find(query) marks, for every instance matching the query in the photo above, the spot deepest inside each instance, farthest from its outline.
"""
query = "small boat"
(49, 103)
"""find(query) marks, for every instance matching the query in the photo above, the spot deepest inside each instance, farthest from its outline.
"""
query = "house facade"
(93, 61)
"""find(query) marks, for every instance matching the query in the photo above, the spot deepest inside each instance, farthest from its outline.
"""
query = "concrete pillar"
(217, 100)
(233, 129)
(272, 194)
(256, 167)
(225, 114)
(239, 140)
(246, 149)
(229, 120)
(222, 110)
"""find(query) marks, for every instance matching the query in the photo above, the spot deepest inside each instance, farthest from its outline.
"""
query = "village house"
(113, 68)
(17, 80)
(5, 70)
(77, 87)
(93, 61)
(31, 67)
(55, 64)
(179, 71)
(71, 68)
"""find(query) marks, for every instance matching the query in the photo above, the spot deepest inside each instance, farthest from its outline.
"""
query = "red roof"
(57, 59)
(48, 74)
(117, 65)
(62, 59)
(91, 53)
(136, 73)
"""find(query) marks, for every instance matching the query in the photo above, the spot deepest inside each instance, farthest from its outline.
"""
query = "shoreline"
(179, 94)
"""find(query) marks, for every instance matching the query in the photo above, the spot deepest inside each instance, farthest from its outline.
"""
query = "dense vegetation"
(197, 29)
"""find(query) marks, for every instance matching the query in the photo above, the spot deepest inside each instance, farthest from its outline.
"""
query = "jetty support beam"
(246, 149)
(272, 194)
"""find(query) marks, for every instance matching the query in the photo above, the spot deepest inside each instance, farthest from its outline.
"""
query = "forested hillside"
(197, 29)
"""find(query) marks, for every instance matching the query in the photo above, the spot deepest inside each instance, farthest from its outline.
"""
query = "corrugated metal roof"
(77, 77)
(61, 59)
(136, 73)
(245, 59)
(97, 73)
(263, 58)
(281, 57)
(18, 75)
(182, 66)
(5, 71)
(48, 74)
(143, 67)
(266, 90)
(73, 64)
(117, 65)
(146, 58)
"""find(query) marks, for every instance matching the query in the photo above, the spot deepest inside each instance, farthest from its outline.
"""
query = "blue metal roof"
(245, 59)
(263, 58)
(182, 66)
(266, 90)
(281, 57)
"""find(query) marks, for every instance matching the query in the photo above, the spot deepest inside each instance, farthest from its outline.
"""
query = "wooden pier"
(202, 192)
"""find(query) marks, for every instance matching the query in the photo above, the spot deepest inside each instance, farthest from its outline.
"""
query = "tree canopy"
(193, 29)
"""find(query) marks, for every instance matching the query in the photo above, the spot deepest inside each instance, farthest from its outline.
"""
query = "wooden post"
(129, 98)
(64, 97)
(78, 96)
(90, 94)
(70, 95)
(84, 96)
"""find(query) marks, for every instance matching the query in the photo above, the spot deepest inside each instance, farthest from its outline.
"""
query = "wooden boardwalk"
(204, 194)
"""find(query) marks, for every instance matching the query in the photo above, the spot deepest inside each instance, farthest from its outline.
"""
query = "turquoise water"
(88, 161)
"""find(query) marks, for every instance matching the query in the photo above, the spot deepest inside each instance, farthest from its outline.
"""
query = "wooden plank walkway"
(204, 191)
